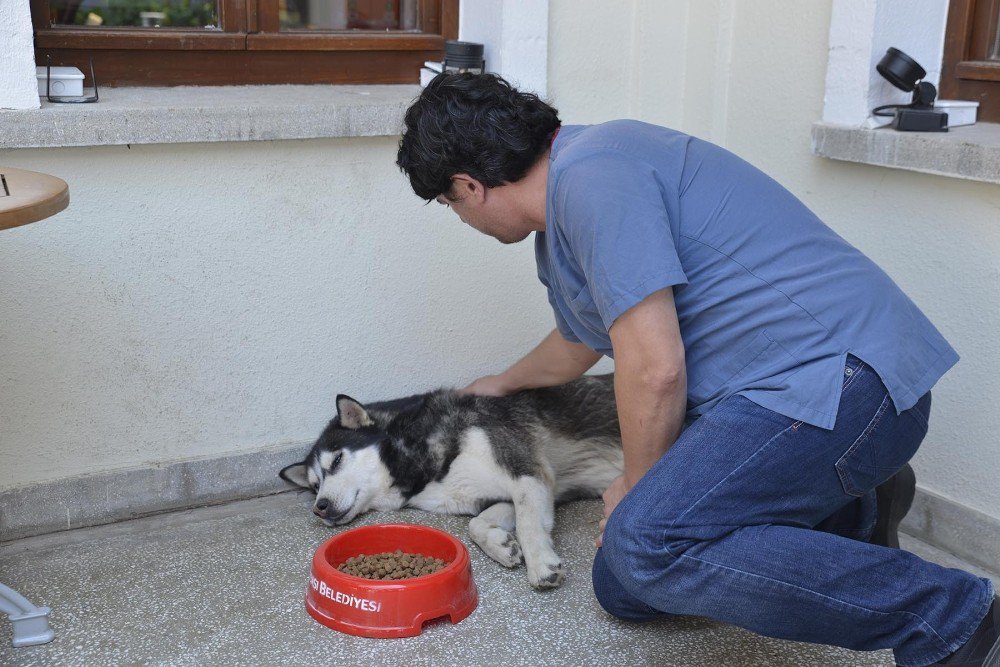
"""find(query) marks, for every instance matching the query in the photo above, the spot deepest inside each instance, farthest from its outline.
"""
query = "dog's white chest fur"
(473, 476)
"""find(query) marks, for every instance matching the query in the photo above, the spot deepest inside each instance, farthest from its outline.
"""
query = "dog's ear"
(296, 474)
(352, 414)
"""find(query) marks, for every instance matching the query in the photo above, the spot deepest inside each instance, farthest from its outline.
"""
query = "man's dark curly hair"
(475, 124)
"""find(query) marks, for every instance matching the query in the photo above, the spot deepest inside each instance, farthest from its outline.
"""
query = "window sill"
(970, 151)
(208, 114)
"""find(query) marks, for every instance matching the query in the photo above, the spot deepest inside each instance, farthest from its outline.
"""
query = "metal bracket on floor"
(31, 623)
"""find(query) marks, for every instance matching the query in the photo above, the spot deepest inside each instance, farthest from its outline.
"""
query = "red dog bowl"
(394, 608)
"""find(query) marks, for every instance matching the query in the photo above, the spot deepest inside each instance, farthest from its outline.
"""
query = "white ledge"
(209, 113)
(970, 151)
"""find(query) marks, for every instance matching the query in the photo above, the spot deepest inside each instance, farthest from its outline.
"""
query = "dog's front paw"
(544, 576)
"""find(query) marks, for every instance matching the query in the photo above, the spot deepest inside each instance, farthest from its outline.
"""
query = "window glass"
(348, 14)
(136, 13)
(995, 51)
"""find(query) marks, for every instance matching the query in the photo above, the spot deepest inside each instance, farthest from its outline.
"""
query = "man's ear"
(465, 187)
(296, 474)
(352, 414)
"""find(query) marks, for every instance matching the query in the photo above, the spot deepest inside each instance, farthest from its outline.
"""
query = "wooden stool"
(27, 196)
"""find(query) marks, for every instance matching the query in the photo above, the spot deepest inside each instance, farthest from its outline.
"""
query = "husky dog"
(507, 460)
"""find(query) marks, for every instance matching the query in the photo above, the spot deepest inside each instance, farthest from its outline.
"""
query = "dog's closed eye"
(328, 462)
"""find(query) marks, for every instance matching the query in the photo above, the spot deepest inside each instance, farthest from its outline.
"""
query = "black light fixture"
(464, 57)
(906, 74)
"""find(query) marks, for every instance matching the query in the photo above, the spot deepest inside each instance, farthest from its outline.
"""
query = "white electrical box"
(66, 81)
(959, 112)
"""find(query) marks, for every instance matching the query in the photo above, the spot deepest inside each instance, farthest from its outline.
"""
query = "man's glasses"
(59, 99)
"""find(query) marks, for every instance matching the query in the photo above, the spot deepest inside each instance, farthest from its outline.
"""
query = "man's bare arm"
(553, 361)
(650, 381)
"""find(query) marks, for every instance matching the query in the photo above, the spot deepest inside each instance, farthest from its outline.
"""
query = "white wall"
(750, 76)
(514, 35)
(200, 299)
(18, 86)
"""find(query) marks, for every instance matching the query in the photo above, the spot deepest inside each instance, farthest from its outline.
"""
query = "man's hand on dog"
(489, 385)
(612, 496)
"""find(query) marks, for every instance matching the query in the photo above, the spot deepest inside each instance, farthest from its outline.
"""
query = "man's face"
(487, 212)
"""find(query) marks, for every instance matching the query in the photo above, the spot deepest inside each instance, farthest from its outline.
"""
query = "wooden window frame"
(249, 49)
(967, 72)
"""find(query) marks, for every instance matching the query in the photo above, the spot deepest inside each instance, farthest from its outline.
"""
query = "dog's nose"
(321, 505)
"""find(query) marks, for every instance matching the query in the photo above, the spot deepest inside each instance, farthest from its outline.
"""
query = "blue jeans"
(761, 521)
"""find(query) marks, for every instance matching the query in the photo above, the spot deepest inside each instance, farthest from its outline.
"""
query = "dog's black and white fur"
(508, 460)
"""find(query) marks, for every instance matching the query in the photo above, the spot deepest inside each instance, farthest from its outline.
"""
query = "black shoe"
(893, 497)
(983, 647)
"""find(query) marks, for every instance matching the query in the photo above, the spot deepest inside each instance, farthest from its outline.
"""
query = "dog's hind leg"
(493, 530)
(534, 509)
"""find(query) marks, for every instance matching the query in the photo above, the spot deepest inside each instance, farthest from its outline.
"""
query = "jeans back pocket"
(887, 442)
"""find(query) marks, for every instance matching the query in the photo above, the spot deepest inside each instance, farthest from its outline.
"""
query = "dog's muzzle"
(323, 509)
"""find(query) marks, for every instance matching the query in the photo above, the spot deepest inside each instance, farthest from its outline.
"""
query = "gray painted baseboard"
(91, 500)
(117, 495)
(957, 529)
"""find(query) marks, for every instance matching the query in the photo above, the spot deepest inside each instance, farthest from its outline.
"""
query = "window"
(219, 42)
(971, 68)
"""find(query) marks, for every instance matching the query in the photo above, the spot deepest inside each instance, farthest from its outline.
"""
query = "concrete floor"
(224, 585)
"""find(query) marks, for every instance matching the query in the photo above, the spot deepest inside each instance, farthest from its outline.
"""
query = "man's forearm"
(553, 361)
(651, 413)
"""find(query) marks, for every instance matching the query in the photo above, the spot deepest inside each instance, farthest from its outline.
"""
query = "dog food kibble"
(391, 565)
